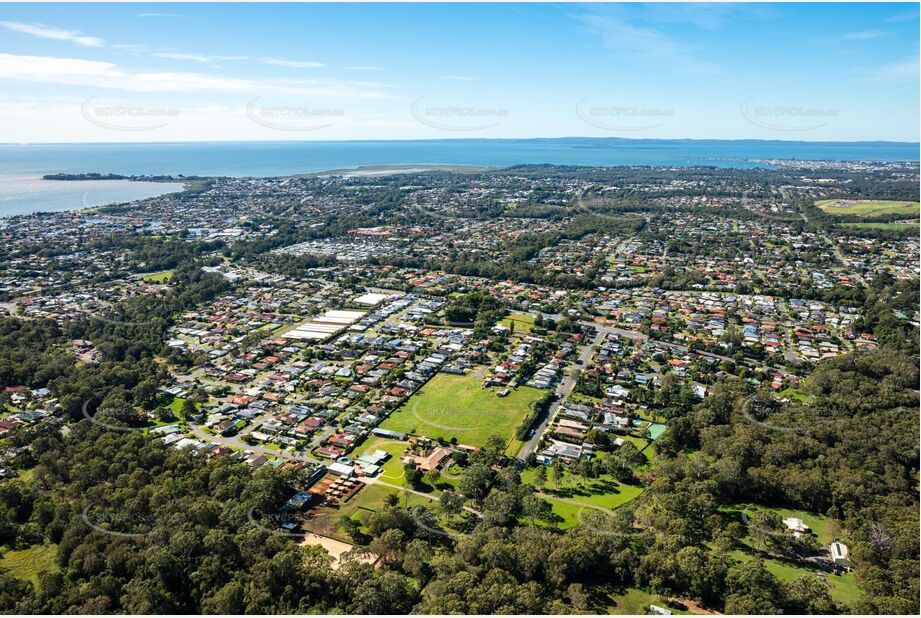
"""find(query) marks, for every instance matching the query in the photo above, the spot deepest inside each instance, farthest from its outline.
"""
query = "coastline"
(31, 194)
(388, 170)
(292, 159)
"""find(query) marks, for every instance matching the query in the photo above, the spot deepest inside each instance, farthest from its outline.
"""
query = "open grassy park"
(896, 227)
(158, 277)
(573, 493)
(452, 406)
(518, 322)
(868, 208)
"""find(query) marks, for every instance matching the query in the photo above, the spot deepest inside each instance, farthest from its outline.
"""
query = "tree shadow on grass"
(583, 492)
(792, 559)
(422, 487)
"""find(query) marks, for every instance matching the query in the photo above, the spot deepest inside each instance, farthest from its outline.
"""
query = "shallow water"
(26, 194)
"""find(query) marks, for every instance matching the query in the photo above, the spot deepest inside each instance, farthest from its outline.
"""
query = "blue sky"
(170, 72)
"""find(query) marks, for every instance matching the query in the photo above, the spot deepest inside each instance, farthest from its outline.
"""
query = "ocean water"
(286, 158)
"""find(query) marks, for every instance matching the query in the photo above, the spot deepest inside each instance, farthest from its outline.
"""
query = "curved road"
(235, 443)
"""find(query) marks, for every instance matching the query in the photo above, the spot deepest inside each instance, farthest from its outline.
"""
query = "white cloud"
(293, 64)
(900, 17)
(864, 35)
(130, 47)
(198, 57)
(39, 67)
(95, 74)
(902, 70)
(643, 44)
(710, 16)
(56, 34)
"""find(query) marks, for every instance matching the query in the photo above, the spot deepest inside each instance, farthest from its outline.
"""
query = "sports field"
(451, 406)
(868, 208)
(898, 227)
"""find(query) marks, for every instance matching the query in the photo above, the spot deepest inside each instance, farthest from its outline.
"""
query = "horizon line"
(462, 139)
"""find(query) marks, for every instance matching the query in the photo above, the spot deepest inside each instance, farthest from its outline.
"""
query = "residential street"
(562, 391)
(234, 442)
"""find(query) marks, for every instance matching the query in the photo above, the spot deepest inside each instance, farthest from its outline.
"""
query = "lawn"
(392, 470)
(643, 445)
(881, 226)
(520, 322)
(566, 514)
(575, 397)
(451, 406)
(176, 406)
(513, 447)
(158, 277)
(604, 492)
(367, 501)
(634, 601)
(798, 395)
(327, 520)
(868, 208)
(650, 454)
(28, 563)
(823, 527)
(370, 498)
(842, 588)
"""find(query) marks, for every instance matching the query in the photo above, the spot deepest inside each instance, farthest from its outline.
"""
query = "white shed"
(839, 552)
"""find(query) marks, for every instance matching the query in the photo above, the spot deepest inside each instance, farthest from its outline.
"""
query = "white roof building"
(797, 526)
(370, 298)
(839, 552)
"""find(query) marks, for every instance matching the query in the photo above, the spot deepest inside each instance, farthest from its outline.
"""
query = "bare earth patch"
(335, 548)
